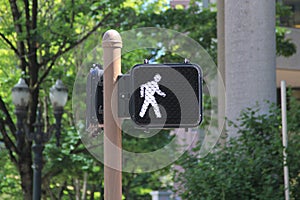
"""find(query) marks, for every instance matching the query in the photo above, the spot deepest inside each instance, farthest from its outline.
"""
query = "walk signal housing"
(94, 100)
(162, 95)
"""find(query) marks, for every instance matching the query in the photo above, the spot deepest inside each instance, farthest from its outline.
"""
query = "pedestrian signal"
(166, 95)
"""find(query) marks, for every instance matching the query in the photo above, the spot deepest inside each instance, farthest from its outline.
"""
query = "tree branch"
(12, 47)
(73, 15)
(8, 120)
(28, 24)
(10, 146)
(83, 150)
(31, 22)
(18, 27)
(34, 11)
(76, 146)
(62, 188)
(52, 173)
(34, 14)
(62, 51)
(10, 44)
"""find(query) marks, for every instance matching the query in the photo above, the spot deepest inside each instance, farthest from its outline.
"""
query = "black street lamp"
(58, 97)
(20, 98)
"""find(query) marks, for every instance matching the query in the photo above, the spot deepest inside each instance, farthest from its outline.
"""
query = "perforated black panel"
(166, 95)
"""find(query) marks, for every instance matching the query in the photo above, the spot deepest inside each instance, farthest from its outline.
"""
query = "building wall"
(294, 20)
(293, 62)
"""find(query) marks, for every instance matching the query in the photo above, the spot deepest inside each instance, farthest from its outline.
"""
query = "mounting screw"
(146, 61)
(186, 61)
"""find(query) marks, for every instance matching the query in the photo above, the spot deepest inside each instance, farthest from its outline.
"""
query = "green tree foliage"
(40, 34)
(284, 46)
(199, 24)
(10, 181)
(248, 167)
(39, 38)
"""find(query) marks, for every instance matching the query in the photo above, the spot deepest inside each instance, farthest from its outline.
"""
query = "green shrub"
(249, 166)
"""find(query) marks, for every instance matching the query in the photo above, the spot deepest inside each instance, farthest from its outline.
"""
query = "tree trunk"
(76, 184)
(84, 187)
(102, 192)
(24, 165)
(93, 190)
(25, 151)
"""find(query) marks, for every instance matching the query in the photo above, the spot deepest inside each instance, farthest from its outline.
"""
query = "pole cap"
(111, 39)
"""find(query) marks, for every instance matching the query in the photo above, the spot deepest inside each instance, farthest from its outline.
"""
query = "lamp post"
(20, 98)
(58, 97)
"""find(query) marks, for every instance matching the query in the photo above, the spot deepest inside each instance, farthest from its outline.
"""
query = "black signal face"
(166, 95)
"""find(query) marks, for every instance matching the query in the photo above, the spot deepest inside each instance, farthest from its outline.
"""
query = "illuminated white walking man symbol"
(148, 90)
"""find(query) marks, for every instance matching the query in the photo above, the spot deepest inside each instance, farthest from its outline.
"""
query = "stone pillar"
(250, 55)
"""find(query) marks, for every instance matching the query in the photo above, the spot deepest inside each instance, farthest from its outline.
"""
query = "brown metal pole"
(221, 68)
(112, 44)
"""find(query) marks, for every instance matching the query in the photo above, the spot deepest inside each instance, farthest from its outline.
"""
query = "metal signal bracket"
(124, 94)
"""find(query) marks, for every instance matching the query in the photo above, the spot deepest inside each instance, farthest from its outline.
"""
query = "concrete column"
(249, 55)
(205, 3)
